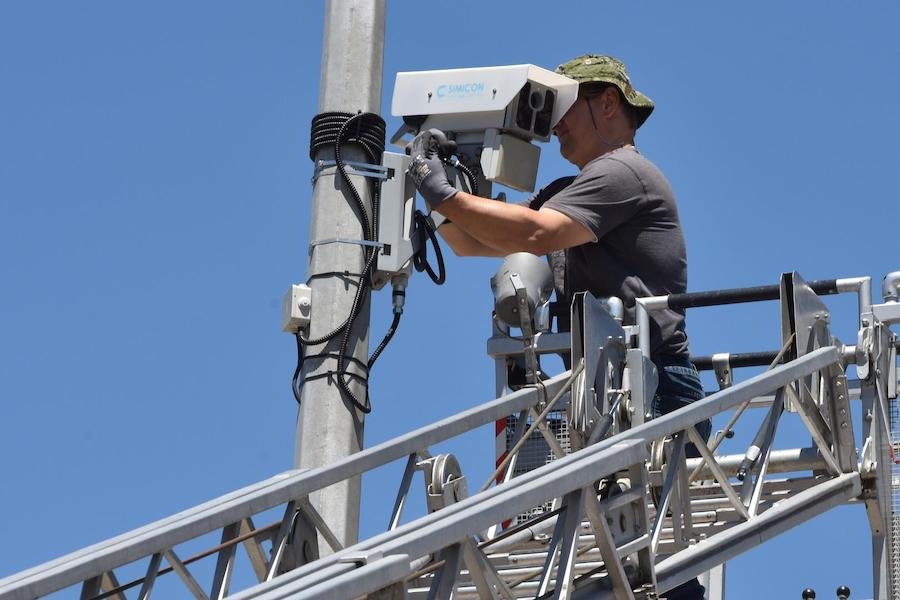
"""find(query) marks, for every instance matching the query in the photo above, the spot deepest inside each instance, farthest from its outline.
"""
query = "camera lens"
(542, 120)
(524, 113)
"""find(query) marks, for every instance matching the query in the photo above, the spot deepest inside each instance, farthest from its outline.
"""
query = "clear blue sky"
(154, 205)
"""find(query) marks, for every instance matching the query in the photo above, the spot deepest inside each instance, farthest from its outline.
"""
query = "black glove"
(427, 170)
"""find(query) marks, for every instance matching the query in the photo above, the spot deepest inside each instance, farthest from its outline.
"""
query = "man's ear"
(610, 101)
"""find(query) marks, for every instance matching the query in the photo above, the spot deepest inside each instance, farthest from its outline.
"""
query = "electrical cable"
(296, 377)
(420, 257)
(423, 226)
(333, 130)
(387, 338)
(369, 233)
(473, 181)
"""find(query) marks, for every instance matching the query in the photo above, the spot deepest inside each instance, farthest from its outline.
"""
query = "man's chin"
(568, 156)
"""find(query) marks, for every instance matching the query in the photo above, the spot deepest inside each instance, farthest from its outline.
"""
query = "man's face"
(576, 133)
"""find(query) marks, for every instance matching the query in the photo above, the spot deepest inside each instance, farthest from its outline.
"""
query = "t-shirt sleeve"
(602, 197)
(548, 191)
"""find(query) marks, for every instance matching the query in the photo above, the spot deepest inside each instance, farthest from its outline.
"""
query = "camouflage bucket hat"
(595, 67)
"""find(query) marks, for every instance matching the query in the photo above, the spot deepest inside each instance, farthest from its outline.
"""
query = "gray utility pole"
(328, 427)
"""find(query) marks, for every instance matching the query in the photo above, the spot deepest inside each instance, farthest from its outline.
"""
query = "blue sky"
(154, 205)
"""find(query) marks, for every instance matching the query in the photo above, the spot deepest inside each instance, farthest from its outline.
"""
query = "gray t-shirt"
(629, 206)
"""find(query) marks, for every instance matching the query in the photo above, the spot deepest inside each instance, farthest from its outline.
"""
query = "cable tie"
(332, 274)
(329, 374)
(335, 356)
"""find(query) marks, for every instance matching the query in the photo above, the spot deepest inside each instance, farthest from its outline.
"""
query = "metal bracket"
(722, 366)
(532, 374)
(352, 168)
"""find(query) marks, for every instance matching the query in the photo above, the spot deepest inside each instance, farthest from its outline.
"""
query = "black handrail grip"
(737, 359)
(758, 293)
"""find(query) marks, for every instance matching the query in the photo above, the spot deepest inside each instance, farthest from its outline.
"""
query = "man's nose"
(562, 121)
(559, 125)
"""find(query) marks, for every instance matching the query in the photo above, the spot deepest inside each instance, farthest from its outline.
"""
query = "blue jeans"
(679, 386)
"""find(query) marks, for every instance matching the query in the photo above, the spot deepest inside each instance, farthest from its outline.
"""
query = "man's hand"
(427, 170)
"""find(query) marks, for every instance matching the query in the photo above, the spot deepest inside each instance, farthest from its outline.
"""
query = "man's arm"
(499, 228)
(464, 244)
(506, 228)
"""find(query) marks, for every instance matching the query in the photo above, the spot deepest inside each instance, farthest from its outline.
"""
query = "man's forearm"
(487, 227)
(505, 228)
(464, 244)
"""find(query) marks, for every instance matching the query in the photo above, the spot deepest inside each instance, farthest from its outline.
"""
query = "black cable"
(473, 182)
(334, 129)
(420, 257)
(294, 388)
(423, 227)
(365, 406)
(387, 338)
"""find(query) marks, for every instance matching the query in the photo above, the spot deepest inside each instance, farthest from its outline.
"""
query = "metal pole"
(328, 427)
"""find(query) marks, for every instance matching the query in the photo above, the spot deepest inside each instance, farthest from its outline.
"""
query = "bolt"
(865, 322)
(843, 410)
(843, 424)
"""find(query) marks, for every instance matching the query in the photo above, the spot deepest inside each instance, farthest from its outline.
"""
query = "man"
(616, 222)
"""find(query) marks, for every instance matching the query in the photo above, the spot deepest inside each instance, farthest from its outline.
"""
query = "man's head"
(607, 112)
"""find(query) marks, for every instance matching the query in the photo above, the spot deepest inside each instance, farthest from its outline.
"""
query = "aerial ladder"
(590, 497)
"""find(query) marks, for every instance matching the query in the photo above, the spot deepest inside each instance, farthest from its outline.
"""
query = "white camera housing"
(498, 109)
